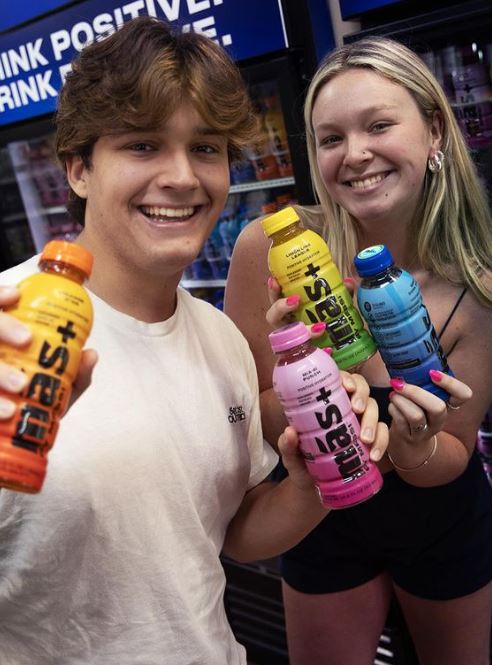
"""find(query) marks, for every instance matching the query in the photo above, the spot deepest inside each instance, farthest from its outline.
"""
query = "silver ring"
(420, 428)
(451, 407)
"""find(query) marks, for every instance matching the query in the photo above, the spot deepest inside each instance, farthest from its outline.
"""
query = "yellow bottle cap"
(68, 252)
(279, 220)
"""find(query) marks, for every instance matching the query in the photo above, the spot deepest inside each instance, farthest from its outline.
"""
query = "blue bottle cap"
(372, 260)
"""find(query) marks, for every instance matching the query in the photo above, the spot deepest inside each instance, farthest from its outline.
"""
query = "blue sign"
(353, 8)
(14, 13)
(35, 59)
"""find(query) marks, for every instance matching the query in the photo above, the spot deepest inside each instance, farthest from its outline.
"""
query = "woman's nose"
(357, 152)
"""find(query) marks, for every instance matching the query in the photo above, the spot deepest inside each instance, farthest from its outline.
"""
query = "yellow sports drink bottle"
(57, 309)
(301, 262)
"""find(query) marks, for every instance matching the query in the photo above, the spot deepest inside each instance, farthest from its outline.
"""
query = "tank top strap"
(452, 312)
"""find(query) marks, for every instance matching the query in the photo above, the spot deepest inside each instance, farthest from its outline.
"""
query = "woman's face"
(372, 146)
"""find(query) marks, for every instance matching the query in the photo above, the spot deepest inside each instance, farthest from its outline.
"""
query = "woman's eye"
(329, 140)
(379, 126)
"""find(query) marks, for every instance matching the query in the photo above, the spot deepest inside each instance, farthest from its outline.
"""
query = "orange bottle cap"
(68, 252)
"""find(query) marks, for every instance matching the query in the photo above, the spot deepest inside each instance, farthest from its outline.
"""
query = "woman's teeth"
(367, 182)
(166, 214)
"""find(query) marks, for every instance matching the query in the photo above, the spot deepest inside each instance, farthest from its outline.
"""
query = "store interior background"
(454, 38)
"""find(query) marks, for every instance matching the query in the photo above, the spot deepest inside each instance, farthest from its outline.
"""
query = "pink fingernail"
(397, 384)
(318, 327)
(328, 350)
(391, 395)
(350, 281)
(270, 282)
(293, 301)
(435, 375)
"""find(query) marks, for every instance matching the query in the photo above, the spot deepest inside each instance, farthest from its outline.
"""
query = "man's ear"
(76, 175)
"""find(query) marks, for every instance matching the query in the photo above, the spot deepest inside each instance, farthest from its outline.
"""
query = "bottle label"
(317, 406)
(59, 313)
(392, 302)
(303, 266)
(402, 329)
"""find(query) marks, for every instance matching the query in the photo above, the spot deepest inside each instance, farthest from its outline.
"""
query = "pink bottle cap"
(289, 336)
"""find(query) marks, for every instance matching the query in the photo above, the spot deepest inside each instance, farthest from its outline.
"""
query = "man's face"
(154, 197)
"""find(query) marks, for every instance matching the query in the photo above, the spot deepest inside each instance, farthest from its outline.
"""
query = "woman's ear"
(76, 175)
(436, 131)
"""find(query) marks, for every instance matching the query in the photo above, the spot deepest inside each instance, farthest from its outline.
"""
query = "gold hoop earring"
(435, 163)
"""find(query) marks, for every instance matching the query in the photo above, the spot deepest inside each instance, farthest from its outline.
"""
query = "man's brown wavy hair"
(135, 78)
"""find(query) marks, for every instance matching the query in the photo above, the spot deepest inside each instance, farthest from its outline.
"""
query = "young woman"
(390, 165)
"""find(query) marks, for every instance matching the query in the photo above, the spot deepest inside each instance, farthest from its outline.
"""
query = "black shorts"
(435, 542)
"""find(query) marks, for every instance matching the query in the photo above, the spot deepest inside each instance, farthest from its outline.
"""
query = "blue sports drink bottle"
(390, 300)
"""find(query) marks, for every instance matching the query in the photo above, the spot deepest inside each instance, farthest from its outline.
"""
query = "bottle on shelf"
(307, 383)
(301, 262)
(261, 155)
(275, 126)
(57, 308)
(390, 300)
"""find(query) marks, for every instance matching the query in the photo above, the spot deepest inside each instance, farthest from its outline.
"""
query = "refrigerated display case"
(43, 189)
(16, 242)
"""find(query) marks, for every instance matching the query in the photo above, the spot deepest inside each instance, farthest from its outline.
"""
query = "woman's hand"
(418, 414)
(282, 310)
(373, 433)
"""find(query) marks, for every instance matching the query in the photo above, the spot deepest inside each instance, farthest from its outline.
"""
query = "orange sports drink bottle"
(57, 309)
(301, 262)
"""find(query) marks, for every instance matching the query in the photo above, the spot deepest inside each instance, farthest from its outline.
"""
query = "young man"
(116, 561)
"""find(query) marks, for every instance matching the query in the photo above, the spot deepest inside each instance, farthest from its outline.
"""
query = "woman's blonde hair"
(452, 226)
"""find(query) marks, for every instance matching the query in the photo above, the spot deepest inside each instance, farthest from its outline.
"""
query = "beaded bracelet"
(415, 468)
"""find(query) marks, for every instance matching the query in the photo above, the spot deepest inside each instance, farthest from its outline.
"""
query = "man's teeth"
(166, 213)
(367, 182)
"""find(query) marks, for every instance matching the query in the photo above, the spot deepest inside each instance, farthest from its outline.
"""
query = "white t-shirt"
(116, 561)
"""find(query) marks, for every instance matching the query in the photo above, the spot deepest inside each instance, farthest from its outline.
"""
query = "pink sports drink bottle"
(307, 382)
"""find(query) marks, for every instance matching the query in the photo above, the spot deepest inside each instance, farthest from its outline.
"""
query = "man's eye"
(207, 149)
(140, 147)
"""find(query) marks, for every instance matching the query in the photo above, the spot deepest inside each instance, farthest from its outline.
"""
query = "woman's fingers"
(274, 290)
(282, 311)
(418, 414)
(459, 392)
